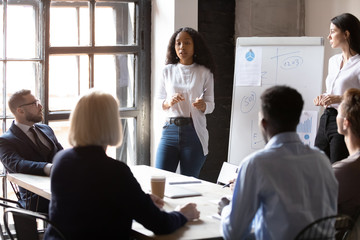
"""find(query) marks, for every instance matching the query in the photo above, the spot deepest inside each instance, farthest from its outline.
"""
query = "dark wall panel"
(216, 24)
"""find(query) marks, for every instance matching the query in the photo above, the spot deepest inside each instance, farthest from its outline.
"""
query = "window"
(60, 49)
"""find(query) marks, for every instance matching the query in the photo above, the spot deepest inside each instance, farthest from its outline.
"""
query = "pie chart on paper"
(250, 55)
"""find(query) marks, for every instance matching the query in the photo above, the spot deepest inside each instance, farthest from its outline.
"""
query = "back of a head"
(350, 107)
(17, 99)
(95, 120)
(348, 22)
(281, 107)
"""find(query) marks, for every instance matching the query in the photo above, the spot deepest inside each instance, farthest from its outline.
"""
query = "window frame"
(141, 50)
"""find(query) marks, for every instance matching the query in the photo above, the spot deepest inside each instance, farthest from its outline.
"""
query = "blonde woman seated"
(95, 196)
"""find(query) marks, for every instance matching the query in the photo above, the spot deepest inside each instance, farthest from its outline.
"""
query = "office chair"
(4, 202)
(326, 228)
(354, 232)
(7, 203)
(26, 224)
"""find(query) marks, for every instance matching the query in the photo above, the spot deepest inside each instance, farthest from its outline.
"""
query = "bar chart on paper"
(306, 128)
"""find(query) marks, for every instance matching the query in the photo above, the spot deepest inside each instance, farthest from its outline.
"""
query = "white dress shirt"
(280, 190)
(339, 80)
(190, 81)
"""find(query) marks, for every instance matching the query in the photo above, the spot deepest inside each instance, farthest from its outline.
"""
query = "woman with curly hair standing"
(187, 94)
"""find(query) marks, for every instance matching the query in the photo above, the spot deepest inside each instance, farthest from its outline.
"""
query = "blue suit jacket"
(20, 155)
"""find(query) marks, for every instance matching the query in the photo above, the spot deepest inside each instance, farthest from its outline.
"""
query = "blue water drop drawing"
(250, 55)
(306, 136)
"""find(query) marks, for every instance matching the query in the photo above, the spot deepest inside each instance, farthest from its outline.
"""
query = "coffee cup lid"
(158, 177)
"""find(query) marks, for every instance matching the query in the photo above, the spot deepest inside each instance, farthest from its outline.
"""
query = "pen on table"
(202, 94)
(227, 185)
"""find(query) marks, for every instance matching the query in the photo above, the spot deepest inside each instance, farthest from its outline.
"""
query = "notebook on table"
(179, 192)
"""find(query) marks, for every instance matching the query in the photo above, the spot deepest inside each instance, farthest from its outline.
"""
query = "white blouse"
(339, 80)
(190, 81)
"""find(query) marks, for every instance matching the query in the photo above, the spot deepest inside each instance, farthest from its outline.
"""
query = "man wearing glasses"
(28, 146)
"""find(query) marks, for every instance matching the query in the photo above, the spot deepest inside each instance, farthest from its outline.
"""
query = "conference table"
(207, 227)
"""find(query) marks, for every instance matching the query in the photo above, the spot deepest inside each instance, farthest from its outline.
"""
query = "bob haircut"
(95, 120)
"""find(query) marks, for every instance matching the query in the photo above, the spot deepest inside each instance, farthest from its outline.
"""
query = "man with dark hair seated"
(285, 186)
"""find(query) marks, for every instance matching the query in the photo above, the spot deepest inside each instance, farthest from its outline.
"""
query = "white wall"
(167, 17)
(317, 20)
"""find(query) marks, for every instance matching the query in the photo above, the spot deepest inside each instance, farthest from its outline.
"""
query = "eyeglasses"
(36, 103)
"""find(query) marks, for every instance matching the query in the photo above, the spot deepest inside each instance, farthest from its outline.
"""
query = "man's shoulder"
(6, 135)
(10, 133)
(257, 156)
(281, 152)
(12, 139)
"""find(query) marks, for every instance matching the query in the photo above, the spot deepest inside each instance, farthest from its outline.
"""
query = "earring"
(177, 58)
(195, 56)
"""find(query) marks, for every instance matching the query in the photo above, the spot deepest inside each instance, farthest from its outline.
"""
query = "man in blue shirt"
(285, 186)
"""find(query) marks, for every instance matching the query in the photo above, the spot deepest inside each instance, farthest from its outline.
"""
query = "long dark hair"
(202, 55)
(348, 22)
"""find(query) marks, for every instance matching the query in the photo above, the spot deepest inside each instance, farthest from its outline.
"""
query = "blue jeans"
(180, 144)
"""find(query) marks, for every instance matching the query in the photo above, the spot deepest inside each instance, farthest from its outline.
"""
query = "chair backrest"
(7, 203)
(227, 173)
(26, 225)
(354, 231)
(325, 228)
(4, 202)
